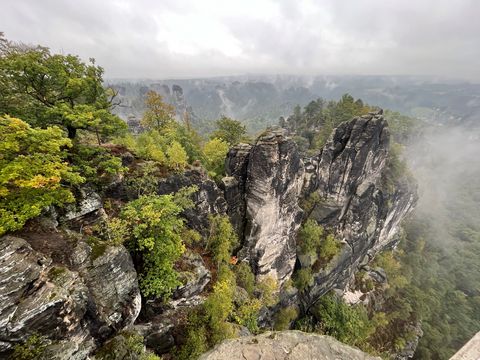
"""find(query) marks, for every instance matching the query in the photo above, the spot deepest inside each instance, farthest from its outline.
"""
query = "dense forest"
(58, 133)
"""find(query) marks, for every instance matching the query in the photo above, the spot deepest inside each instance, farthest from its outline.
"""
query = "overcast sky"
(175, 38)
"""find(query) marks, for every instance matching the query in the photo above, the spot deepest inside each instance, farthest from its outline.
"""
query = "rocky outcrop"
(36, 297)
(270, 174)
(69, 306)
(208, 199)
(89, 201)
(355, 202)
(286, 345)
(115, 300)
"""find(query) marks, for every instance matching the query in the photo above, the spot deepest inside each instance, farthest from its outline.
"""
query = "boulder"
(285, 345)
(37, 297)
(114, 295)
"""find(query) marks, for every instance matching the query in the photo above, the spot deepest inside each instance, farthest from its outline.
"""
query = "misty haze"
(239, 180)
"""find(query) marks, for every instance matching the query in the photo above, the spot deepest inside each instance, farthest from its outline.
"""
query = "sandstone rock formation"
(265, 183)
(356, 200)
(208, 199)
(68, 306)
(35, 296)
(286, 345)
(267, 215)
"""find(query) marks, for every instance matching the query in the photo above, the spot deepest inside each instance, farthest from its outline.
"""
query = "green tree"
(177, 156)
(33, 172)
(229, 130)
(222, 238)
(156, 229)
(158, 114)
(215, 152)
(46, 89)
(347, 324)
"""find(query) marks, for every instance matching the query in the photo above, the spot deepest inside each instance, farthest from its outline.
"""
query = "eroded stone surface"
(285, 345)
(266, 215)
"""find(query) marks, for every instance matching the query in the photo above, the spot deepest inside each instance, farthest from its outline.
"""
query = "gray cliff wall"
(263, 192)
(267, 180)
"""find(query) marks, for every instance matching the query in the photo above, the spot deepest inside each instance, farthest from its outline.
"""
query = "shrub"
(267, 289)
(310, 236)
(177, 156)
(247, 315)
(30, 350)
(156, 228)
(245, 277)
(329, 247)
(126, 345)
(348, 324)
(285, 317)
(222, 238)
(303, 278)
(215, 152)
(144, 179)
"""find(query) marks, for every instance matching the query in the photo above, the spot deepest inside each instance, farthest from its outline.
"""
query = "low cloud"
(168, 39)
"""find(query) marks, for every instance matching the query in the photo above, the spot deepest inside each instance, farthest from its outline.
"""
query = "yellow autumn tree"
(33, 171)
(158, 114)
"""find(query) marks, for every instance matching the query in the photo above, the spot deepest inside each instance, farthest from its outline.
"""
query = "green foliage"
(267, 290)
(247, 315)
(34, 173)
(177, 156)
(348, 324)
(196, 342)
(218, 307)
(114, 231)
(329, 248)
(165, 147)
(222, 238)
(313, 240)
(318, 119)
(245, 277)
(32, 349)
(126, 345)
(229, 130)
(396, 169)
(156, 229)
(158, 114)
(285, 317)
(48, 89)
(444, 288)
(303, 278)
(310, 237)
(144, 179)
(191, 237)
(96, 164)
(403, 128)
(215, 152)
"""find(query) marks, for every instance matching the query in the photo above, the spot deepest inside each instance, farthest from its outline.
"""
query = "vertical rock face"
(36, 297)
(270, 174)
(115, 300)
(95, 296)
(266, 181)
(355, 202)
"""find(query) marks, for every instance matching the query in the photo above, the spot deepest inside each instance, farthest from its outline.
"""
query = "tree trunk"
(72, 132)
